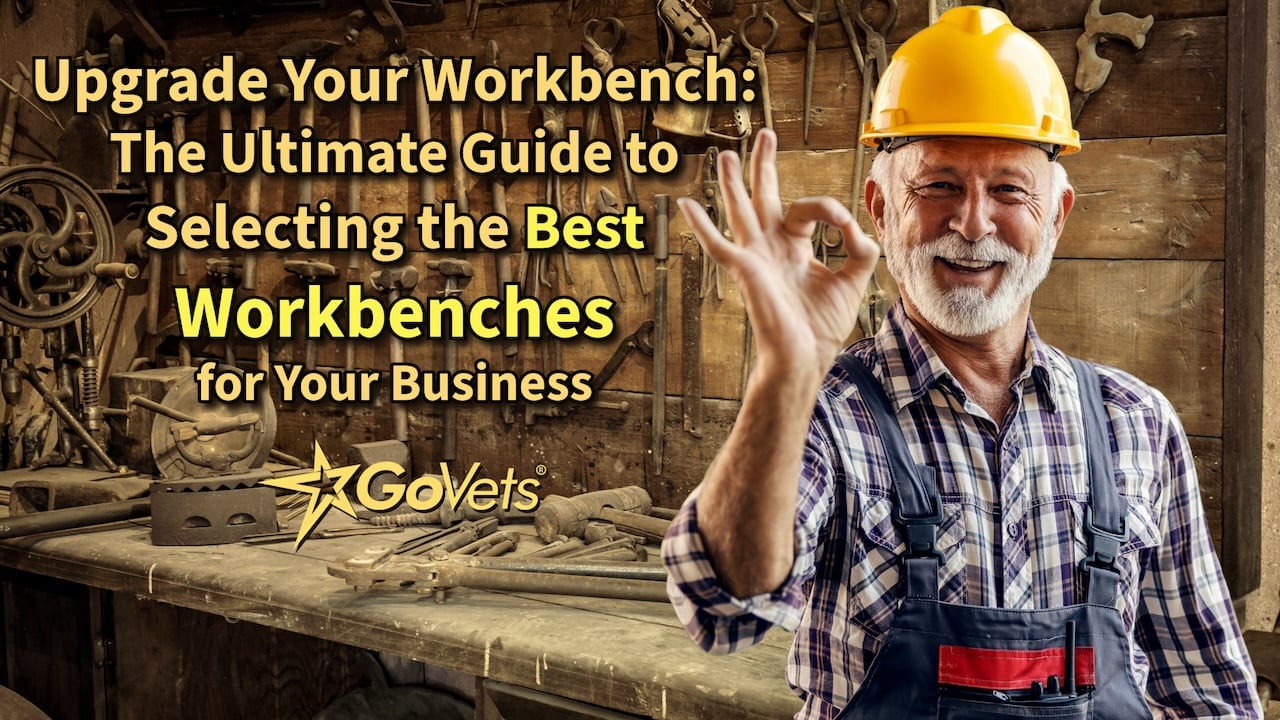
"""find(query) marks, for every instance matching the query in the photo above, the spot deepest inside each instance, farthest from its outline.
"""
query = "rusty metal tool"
(635, 523)
(875, 61)
(54, 401)
(557, 547)
(292, 535)
(757, 59)
(568, 516)
(74, 517)
(1092, 70)
(623, 548)
(18, 91)
(311, 272)
(600, 530)
(301, 50)
(442, 576)
(713, 203)
(607, 202)
(10, 119)
(691, 273)
(253, 203)
(594, 579)
(422, 120)
(155, 261)
(226, 272)
(451, 539)
(492, 545)
(503, 267)
(640, 340)
(395, 283)
(553, 122)
(457, 131)
(595, 568)
(658, 426)
(457, 274)
(810, 66)
(602, 56)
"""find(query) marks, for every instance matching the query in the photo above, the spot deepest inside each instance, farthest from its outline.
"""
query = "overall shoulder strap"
(917, 506)
(1106, 518)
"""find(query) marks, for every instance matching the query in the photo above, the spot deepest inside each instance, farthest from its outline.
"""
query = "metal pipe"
(74, 517)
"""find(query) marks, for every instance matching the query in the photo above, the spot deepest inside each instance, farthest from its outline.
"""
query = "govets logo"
(328, 488)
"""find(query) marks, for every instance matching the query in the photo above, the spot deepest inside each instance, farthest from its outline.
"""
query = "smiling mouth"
(969, 266)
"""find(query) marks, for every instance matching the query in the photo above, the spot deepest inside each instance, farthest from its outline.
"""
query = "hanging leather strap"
(1106, 518)
(917, 506)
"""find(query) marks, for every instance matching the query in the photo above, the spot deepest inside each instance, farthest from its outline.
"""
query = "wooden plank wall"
(1138, 282)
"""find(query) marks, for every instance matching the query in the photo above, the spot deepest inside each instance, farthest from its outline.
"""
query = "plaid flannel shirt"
(1013, 504)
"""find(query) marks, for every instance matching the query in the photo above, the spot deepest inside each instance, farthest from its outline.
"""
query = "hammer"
(302, 50)
(311, 272)
(394, 283)
(559, 515)
(1091, 69)
(457, 273)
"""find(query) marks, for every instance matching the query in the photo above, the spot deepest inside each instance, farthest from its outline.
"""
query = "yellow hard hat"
(972, 73)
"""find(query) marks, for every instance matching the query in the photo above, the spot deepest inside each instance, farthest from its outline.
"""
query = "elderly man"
(982, 526)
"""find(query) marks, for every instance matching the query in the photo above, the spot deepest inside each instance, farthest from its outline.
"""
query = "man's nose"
(972, 217)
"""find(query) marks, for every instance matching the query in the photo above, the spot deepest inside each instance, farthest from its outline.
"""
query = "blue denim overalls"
(961, 662)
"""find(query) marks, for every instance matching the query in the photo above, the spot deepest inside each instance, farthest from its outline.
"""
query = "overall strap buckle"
(1104, 546)
(922, 531)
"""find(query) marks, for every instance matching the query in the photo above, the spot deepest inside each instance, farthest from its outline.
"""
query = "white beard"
(967, 311)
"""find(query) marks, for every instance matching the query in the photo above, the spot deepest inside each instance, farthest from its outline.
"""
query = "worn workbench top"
(628, 655)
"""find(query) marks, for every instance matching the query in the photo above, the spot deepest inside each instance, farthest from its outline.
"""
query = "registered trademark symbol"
(540, 470)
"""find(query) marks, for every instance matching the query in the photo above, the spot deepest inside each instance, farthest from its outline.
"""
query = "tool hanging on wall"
(713, 203)
(493, 117)
(603, 58)
(395, 283)
(679, 19)
(758, 62)
(691, 263)
(318, 49)
(1092, 70)
(457, 275)
(658, 411)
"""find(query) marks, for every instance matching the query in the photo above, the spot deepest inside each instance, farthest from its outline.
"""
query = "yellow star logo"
(313, 483)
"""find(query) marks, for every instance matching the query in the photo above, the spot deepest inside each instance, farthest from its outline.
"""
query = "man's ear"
(1068, 201)
(875, 205)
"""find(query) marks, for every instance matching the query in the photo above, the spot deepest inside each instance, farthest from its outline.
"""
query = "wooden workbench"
(630, 656)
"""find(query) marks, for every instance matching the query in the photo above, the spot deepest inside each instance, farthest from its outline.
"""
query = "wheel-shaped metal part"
(193, 450)
(54, 230)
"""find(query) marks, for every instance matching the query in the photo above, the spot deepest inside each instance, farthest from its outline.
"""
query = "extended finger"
(741, 214)
(716, 245)
(805, 213)
(764, 178)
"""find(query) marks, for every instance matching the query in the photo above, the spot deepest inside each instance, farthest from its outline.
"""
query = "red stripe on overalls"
(995, 669)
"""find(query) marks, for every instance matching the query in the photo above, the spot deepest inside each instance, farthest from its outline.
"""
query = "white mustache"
(953, 246)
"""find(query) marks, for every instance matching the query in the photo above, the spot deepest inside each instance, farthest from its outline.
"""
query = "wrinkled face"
(969, 227)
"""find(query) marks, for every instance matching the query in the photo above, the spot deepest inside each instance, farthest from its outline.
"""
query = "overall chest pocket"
(876, 552)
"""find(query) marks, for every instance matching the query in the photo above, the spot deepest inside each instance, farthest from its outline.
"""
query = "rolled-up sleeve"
(719, 622)
(1186, 624)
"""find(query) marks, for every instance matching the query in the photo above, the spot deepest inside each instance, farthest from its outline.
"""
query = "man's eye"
(1008, 188)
